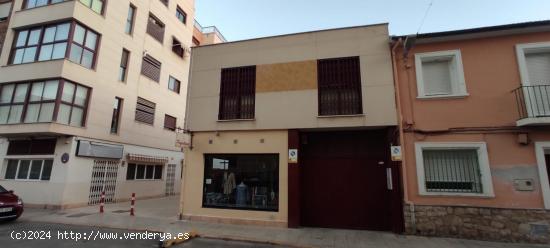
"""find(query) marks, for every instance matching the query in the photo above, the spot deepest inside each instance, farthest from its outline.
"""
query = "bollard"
(102, 202)
(133, 203)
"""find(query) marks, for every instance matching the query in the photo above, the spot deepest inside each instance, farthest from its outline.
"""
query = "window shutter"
(538, 67)
(145, 111)
(170, 122)
(150, 67)
(452, 171)
(437, 77)
(238, 93)
(339, 82)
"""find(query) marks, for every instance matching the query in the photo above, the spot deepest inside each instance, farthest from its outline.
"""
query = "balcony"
(533, 104)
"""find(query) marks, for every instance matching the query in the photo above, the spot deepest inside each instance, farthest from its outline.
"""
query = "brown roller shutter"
(150, 67)
(145, 111)
(170, 122)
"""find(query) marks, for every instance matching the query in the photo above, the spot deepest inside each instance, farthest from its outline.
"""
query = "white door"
(537, 90)
(170, 179)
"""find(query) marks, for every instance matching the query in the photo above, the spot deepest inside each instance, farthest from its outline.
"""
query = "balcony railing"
(533, 101)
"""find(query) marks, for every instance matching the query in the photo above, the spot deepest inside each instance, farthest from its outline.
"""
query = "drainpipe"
(400, 126)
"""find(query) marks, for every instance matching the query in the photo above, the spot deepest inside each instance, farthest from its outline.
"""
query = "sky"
(246, 19)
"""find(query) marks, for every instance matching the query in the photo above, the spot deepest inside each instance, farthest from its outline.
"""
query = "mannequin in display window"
(229, 183)
(242, 194)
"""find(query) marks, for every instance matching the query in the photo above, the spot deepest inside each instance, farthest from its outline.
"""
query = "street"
(27, 234)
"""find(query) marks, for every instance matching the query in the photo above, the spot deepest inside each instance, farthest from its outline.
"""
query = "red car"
(11, 205)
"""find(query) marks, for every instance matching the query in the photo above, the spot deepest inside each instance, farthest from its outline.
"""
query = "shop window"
(23, 169)
(339, 86)
(143, 172)
(145, 111)
(237, 93)
(453, 169)
(244, 181)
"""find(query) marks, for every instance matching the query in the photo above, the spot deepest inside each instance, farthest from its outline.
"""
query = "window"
(165, 2)
(238, 93)
(129, 29)
(95, 5)
(150, 67)
(83, 47)
(174, 84)
(453, 169)
(51, 42)
(39, 102)
(73, 104)
(5, 9)
(181, 15)
(243, 181)
(440, 74)
(39, 170)
(117, 110)
(29, 4)
(170, 122)
(123, 70)
(177, 47)
(31, 147)
(145, 111)
(155, 28)
(534, 67)
(339, 86)
(144, 172)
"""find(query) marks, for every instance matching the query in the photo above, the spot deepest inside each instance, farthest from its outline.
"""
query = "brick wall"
(495, 224)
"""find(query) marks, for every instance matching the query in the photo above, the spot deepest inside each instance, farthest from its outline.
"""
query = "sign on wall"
(292, 156)
(396, 153)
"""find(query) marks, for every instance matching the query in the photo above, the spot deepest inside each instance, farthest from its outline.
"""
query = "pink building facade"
(474, 114)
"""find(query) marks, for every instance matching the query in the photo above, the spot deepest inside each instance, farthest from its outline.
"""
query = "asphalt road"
(26, 234)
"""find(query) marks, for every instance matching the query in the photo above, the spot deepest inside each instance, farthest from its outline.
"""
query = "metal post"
(133, 203)
(102, 202)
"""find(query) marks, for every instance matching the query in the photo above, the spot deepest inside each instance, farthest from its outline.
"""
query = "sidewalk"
(160, 215)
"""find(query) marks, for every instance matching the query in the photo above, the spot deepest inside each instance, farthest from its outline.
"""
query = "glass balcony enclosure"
(45, 101)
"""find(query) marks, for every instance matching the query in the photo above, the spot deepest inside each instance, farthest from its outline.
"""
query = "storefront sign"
(396, 153)
(292, 156)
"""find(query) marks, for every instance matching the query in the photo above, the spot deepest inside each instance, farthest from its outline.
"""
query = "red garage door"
(343, 180)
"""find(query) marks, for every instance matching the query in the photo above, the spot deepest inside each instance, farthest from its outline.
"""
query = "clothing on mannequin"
(229, 183)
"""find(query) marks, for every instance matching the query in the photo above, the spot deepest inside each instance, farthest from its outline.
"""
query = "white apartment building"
(92, 93)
